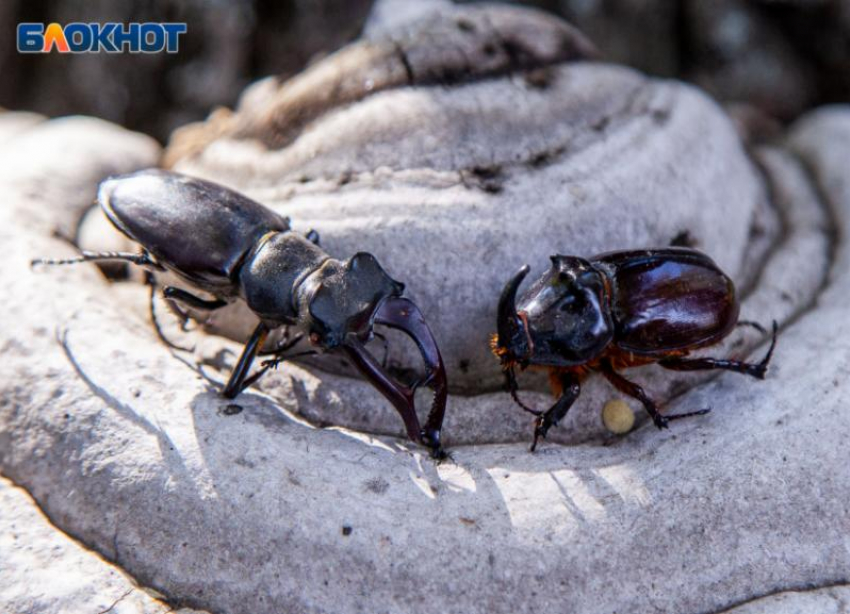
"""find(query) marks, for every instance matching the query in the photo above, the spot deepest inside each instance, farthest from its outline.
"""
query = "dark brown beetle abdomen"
(198, 229)
(667, 300)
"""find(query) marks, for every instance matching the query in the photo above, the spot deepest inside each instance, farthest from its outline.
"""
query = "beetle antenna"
(141, 259)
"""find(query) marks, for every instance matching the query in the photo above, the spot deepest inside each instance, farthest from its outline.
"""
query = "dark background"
(783, 56)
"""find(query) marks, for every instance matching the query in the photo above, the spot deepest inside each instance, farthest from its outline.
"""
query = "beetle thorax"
(272, 273)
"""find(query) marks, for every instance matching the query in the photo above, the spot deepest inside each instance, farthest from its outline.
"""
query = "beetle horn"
(509, 325)
(402, 314)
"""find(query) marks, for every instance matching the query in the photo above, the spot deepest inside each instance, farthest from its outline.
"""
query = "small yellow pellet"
(618, 417)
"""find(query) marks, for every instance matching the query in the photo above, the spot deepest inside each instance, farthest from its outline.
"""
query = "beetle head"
(563, 320)
(341, 298)
(339, 305)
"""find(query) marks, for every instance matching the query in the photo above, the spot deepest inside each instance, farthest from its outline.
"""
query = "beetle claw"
(272, 363)
(541, 429)
(661, 422)
(402, 314)
(432, 440)
(441, 456)
(760, 370)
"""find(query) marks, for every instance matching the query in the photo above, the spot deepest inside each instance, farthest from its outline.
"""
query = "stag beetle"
(617, 310)
(232, 248)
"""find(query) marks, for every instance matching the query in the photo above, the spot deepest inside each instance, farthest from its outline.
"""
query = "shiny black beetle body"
(617, 310)
(228, 246)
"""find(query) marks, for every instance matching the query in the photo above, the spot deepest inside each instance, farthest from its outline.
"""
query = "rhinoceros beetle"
(232, 248)
(617, 310)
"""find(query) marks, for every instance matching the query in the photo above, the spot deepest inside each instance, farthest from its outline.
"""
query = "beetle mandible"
(617, 310)
(232, 248)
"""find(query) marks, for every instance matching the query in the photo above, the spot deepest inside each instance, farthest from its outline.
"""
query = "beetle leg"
(249, 381)
(635, 391)
(272, 363)
(142, 259)
(512, 386)
(279, 352)
(571, 389)
(752, 324)
(283, 343)
(187, 298)
(757, 370)
(151, 281)
(237, 382)
(179, 313)
(174, 295)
